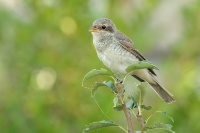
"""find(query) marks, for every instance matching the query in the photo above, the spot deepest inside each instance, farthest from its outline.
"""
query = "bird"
(117, 52)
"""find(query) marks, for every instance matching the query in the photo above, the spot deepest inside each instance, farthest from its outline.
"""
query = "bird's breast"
(116, 57)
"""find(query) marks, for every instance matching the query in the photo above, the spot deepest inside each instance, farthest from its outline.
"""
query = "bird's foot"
(118, 79)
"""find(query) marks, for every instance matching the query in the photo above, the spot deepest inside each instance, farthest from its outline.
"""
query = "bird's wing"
(127, 44)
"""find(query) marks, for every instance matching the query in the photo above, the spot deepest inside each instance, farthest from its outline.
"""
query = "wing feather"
(127, 44)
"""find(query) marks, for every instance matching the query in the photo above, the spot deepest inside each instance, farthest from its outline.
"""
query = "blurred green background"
(46, 49)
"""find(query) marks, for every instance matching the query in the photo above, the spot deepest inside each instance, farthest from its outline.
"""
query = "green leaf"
(165, 113)
(94, 73)
(129, 105)
(160, 112)
(117, 105)
(132, 103)
(159, 125)
(136, 94)
(111, 85)
(115, 101)
(140, 65)
(96, 86)
(98, 125)
(142, 86)
(108, 84)
(139, 92)
(118, 108)
(146, 107)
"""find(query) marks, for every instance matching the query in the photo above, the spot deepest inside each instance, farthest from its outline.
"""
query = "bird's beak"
(93, 29)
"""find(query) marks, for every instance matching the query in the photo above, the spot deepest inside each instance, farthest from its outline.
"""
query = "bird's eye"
(103, 27)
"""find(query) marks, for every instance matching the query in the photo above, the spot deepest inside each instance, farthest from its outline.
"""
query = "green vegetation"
(46, 49)
(131, 103)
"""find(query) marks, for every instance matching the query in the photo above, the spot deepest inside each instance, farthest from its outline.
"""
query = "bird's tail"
(162, 92)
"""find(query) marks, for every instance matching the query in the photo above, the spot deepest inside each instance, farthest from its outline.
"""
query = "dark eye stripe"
(109, 28)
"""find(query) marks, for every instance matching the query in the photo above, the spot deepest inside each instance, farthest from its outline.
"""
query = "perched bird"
(117, 52)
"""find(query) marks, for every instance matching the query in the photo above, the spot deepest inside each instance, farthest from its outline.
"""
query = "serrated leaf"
(140, 65)
(98, 125)
(159, 125)
(94, 73)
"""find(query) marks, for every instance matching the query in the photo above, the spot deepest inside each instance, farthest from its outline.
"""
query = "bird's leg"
(119, 80)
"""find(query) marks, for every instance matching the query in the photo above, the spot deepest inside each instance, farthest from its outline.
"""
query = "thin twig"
(120, 95)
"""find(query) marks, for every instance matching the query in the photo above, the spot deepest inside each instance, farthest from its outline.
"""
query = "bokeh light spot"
(68, 26)
(45, 78)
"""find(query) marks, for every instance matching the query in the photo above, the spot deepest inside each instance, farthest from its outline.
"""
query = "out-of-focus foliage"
(46, 49)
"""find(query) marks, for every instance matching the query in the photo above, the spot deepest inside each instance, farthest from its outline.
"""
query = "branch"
(141, 120)
(120, 95)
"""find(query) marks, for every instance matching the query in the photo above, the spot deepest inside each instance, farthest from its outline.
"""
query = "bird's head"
(102, 27)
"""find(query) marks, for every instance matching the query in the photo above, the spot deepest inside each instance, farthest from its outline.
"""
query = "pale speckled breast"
(116, 58)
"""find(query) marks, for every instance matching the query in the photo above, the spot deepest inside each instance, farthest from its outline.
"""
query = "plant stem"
(140, 118)
(120, 95)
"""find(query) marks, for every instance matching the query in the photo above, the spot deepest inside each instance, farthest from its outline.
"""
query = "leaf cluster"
(134, 100)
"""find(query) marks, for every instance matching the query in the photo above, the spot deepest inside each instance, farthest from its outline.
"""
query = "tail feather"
(163, 93)
(144, 75)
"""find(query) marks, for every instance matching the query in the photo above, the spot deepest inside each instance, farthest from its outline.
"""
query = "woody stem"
(120, 95)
